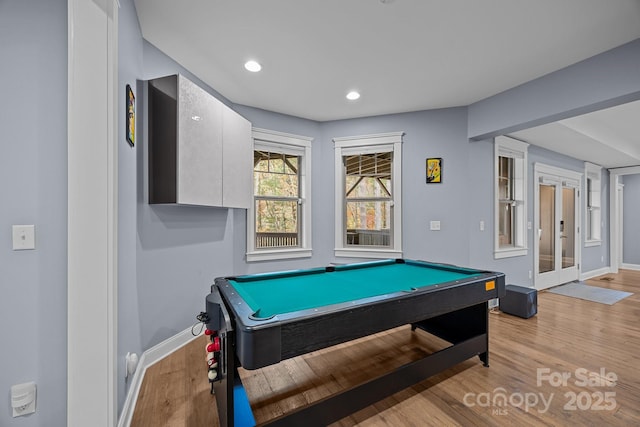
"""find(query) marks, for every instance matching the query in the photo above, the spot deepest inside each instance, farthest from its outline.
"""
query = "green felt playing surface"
(283, 293)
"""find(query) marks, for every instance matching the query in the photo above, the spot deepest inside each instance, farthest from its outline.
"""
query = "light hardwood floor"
(568, 337)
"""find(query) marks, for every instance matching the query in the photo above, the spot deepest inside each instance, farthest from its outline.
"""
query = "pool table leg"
(460, 325)
(484, 357)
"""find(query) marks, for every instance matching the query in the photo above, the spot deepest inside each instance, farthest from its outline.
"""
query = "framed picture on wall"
(434, 170)
(131, 116)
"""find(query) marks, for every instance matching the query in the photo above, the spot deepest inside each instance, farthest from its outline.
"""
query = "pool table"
(260, 319)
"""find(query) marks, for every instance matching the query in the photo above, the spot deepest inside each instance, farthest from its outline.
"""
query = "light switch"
(434, 225)
(24, 237)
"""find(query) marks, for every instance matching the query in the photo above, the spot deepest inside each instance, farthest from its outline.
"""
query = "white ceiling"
(402, 55)
(609, 138)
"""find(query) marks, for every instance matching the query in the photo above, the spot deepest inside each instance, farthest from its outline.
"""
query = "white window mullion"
(593, 199)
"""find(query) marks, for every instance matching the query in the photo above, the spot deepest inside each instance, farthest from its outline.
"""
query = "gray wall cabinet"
(200, 150)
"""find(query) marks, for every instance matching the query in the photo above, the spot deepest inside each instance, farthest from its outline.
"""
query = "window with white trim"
(368, 196)
(279, 219)
(594, 204)
(510, 189)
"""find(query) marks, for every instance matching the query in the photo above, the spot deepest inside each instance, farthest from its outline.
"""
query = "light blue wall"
(33, 190)
(434, 133)
(168, 256)
(180, 249)
(481, 198)
(605, 80)
(631, 230)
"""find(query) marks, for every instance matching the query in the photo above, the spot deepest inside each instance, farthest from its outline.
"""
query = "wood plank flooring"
(589, 341)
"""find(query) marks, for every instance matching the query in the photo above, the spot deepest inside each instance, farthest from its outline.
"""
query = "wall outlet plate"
(24, 237)
(23, 399)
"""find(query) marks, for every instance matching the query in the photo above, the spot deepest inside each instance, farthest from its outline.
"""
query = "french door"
(557, 219)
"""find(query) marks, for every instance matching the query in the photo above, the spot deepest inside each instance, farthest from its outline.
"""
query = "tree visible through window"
(277, 199)
(368, 195)
(368, 199)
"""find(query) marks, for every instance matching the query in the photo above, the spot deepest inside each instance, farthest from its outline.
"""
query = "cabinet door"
(237, 166)
(199, 154)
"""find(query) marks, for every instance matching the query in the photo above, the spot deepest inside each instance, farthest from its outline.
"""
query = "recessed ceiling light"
(252, 66)
(353, 95)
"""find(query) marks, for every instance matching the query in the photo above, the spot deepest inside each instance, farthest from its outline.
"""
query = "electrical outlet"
(23, 399)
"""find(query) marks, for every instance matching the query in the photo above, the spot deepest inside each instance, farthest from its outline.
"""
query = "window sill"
(275, 254)
(367, 253)
(591, 243)
(508, 253)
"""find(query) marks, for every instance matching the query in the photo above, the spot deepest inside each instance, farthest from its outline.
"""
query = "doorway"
(557, 221)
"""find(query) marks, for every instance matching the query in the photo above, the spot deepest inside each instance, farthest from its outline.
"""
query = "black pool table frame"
(455, 311)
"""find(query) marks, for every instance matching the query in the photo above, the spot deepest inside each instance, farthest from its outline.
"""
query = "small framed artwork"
(131, 117)
(434, 170)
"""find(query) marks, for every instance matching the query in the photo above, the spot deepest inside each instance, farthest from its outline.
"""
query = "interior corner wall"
(33, 173)
(434, 133)
(603, 81)
(179, 249)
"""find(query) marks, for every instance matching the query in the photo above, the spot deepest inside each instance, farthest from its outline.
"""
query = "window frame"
(516, 150)
(366, 144)
(593, 172)
(287, 143)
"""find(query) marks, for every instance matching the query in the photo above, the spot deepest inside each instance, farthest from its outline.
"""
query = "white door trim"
(614, 224)
(92, 224)
(620, 221)
(562, 178)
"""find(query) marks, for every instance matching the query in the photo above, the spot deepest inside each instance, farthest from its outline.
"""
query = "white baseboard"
(595, 273)
(630, 266)
(148, 358)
